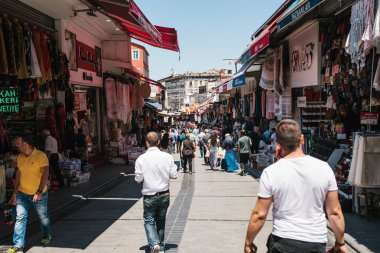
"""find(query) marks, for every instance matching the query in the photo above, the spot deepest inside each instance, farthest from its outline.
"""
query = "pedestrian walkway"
(209, 212)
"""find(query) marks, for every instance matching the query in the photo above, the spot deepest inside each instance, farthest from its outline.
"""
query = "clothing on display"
(267, 75)
(364, 171)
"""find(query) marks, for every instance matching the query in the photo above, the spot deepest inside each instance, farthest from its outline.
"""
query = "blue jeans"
(23, 203)
(155, 209)
(201, 149)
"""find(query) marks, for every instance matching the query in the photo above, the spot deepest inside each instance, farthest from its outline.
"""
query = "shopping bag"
(221, 153)
(207, 155)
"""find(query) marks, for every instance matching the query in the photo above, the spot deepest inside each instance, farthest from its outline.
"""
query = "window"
(135, 54)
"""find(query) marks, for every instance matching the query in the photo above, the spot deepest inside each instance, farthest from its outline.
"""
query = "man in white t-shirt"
(154, 169)
(299, 186)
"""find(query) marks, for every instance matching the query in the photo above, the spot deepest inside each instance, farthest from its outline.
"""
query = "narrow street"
(209, 212)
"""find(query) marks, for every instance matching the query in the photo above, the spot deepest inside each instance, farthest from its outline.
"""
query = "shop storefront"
(33, 72)
(85, 65)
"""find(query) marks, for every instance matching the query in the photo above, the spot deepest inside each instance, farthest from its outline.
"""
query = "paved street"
(209, 212)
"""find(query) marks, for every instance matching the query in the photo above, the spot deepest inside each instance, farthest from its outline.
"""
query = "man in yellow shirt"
(30, 190)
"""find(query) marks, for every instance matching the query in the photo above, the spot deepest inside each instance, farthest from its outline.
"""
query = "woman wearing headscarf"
(228, 145)
(213, 147)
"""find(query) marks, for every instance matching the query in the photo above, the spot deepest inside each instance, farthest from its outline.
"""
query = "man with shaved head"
(154, 169)
(301, 188)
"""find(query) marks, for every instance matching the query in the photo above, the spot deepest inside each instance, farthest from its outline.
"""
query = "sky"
(208, 32)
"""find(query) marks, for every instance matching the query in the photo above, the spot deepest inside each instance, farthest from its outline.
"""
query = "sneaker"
(45, 240)
(155, 249)
(190, 172)
(15, 250)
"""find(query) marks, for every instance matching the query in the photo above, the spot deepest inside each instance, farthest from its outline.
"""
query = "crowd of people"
(217, 145)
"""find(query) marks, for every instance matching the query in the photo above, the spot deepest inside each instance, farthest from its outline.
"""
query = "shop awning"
(142, 78)
(224, 86)
(296, 10)
(258, 44)
(132, 19)
(154, 105)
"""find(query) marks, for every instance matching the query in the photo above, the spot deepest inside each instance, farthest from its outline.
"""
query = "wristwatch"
(39, 191)
(340, 244)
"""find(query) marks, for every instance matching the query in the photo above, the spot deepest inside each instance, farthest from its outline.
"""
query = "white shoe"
(155, 249)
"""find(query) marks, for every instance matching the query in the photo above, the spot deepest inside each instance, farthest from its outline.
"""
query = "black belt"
(157, 194)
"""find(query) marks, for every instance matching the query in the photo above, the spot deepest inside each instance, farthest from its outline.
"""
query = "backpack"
(188, 148)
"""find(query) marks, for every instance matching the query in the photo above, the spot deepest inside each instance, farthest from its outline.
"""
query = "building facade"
(189, 89)
(140, 59)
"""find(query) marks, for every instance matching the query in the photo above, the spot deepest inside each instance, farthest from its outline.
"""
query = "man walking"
(299, 186)
(244, 146)
(30, 189)
(154, 169)
(51, 150)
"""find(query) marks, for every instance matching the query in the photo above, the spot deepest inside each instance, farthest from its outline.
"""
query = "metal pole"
(372, 81)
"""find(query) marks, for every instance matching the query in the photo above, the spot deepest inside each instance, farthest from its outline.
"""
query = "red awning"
(142, 78)
(132, 19)
(260, 42)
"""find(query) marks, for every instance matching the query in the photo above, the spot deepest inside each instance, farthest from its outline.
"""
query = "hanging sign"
(304, 56)
(301, 102)
(9, 100)
(239, 81)
(369, 118)
(298, 12)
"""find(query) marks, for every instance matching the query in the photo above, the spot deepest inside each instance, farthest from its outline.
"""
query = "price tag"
(301, 102)
(369, 118)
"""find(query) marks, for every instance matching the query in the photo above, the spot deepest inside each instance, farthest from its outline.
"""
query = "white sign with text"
(304, 50)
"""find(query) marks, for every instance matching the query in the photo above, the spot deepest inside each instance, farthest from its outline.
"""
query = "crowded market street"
(209, 212)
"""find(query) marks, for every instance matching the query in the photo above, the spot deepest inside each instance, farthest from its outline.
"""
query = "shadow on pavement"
(92, 218)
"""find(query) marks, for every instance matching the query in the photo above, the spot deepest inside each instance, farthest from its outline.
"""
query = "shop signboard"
(369, 118)
(239, 81)
(301, 102)
(304, 50)
(9, 100)
(297, 13)
(87, 57)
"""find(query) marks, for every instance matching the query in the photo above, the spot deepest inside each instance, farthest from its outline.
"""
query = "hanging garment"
(121, 102)
(270, 105)
(364, 170)
(137, 101)
(376, 29)
(362, 20)
(37, 46)
(27, 34)
(369, 23)
(376, 80)
(278, 85)
(45, 41)
(263, 103)
(22, 70)
(34, 64)
(10, 47)
(111, 99)
(55, 59)
(267, 75)
(3, 53)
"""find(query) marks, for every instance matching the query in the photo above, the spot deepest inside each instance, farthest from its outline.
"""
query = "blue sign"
(238, 81)
(298, 12)
(246, 57)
